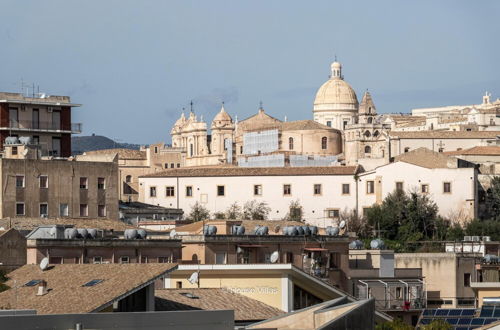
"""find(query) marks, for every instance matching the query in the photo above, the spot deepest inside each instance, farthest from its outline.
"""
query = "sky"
(134, 65)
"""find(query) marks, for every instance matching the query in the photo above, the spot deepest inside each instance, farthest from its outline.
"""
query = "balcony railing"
(75, 128)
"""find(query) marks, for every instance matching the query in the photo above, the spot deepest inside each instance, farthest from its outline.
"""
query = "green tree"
(198, 213)
(484, 228)
(396, 324)
(295, 211)
(437, 325)
(492, 200)
(407, 217)
(355, 223)
(253, 210)
(233, 212)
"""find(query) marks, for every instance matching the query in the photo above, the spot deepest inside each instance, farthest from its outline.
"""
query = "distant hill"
(80, 144)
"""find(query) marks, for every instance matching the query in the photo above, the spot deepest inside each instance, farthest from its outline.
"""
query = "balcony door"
(13, 118)
(36, 118)
(56, 120)
(56, 147)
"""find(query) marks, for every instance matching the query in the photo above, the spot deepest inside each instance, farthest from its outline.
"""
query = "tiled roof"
(427, 158)
(122, 153)
(445, 134)
(303, 125)
(477, 151)
(245, 309)
(31, 223)
(254, 171)
(65, 284)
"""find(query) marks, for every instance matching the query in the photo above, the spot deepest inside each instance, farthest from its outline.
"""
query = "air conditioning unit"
(467, 238)
(486, 238)
(476, 238)
(50, 109)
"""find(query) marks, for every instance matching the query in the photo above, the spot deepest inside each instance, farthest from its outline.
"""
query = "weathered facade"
(59, 188)
(12, 250)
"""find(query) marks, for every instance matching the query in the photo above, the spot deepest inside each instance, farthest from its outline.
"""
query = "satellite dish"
(44, 263)
(342, 224)
(274, 257)
(239, 250)
(193, 278)
(173, 233)
(25, 152)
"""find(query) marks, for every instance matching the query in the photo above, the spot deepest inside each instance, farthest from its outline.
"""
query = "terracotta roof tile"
(254, 171)
(245, 309)
(303, 125)
(66, 293)
(445, 134)
(122, 153)
(32, 223)
(427, 158)
(477, 151)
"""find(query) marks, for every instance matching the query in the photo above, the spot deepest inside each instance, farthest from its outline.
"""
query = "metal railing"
(45, 126)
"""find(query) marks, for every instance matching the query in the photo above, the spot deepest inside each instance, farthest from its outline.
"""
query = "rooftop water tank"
(142, 234)
(82, 233)
(377, 244)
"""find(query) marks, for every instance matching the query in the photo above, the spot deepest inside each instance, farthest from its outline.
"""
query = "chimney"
(42, 288)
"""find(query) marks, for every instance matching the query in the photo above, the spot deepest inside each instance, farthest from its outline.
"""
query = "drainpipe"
(367, 287)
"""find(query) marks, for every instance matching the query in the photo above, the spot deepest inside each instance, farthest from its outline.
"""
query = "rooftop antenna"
(261, 105)
(335, 56)
(191, 104)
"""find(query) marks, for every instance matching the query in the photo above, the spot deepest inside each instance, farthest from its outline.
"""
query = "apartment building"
(65, 188)
(323, 192)
(46, 120)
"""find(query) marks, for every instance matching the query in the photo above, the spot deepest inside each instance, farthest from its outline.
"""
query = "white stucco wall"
(241, 189)
(461, 200)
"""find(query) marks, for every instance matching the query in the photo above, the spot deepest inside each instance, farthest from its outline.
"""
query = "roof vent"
(189, 295)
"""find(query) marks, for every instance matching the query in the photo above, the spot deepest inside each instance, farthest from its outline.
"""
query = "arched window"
(225, 144)
(407, 149)
(368, 150)
(376, 133)
(128, 178)
(191, 150)
(324, 143)
(367, 134)
(370, 120)
(290, 143)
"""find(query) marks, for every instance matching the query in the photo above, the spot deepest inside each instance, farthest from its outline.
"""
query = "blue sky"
(135, 64)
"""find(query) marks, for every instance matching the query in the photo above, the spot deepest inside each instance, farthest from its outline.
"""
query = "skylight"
(189, 295)
(92, 283)
(32, 282)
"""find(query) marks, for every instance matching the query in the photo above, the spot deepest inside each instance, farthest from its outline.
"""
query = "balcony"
(43, 126)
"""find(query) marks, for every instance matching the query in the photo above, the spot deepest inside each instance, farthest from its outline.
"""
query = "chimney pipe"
(42, 288)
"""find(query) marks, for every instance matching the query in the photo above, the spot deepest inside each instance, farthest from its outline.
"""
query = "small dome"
(223, 115)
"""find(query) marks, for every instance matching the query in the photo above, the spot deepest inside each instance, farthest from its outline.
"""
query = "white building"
(452, 188)
(323, 192)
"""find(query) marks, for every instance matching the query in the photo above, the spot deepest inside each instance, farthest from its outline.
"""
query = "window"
(368, 150)
(189, 191)
(44, 181)
(124, 260)
(424, 188)
(178, 285)
(407, 149)
(221, 191)
(440, 149)
(290, 143)
(178, 165)
(92, 283)
(170, 191)
(367, 134)
(128, 179)
(14, 151)
(447, 187)
(44, 210)
(101, 183)
(467, 280)
(55, 260)
(63, 210)
(328, 123)
(144, 259)
(317, 189)
(220, 258)
(370, 187)
(19, 208)
(152, 191)
(20, 181)
(366, 210)
(84, 210)
(334, 260)
(287, 189)
(97, 260)
(84, 183)
(172, 165)
(345, 124)
(324, 143)
(101, 210)
(333, 214)
(156, 150)
(257, 190)
(164, 260)
(399, 186)
(346, 189)
(370, 120)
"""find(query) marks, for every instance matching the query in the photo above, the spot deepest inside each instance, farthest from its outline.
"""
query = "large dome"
(336, 94)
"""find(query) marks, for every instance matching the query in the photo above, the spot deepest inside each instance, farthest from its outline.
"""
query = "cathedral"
(342, 127)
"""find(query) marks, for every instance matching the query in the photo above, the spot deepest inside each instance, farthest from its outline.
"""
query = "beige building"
(134, 163)
(59, 188)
